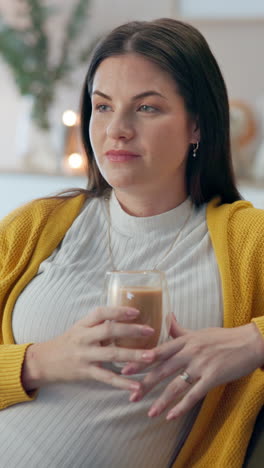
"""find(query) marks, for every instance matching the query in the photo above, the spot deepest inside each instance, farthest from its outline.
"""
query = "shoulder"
(238, 223)
(37, 213)
(237, 214)
(41, 222)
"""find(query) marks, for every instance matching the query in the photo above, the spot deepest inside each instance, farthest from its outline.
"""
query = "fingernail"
(134, 386)
(134, 397)
(152, 412)
(127, 370)
(147, 331)
(171, 415)
(132, 313)
(147, 355)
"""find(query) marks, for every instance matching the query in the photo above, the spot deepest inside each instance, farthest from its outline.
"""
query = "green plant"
(26, 50)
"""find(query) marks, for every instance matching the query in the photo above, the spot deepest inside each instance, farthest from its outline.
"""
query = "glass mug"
(146, 291)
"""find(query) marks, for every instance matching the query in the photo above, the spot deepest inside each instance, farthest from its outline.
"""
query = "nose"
(120, 128)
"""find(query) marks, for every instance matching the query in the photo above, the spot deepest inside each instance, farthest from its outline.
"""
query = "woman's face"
(139, 129)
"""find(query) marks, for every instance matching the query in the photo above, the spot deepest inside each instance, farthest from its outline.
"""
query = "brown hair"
(182, 51)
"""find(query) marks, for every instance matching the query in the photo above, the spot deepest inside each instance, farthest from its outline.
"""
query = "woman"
(161, 194)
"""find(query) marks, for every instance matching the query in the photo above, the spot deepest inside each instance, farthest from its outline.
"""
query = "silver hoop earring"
(195, 149)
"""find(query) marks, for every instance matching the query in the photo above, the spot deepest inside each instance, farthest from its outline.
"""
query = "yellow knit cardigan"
(221, 432)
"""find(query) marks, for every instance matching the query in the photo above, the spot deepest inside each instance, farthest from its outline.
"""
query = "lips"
(121, 155)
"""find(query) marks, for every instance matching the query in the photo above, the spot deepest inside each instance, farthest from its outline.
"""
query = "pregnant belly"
(88, 425)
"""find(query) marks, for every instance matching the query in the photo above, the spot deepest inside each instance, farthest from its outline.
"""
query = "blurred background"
(44, 52)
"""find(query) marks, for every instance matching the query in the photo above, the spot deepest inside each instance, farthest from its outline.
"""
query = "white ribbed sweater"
(92, 425)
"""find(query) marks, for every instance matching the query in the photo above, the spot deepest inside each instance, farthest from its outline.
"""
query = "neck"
(143, 205)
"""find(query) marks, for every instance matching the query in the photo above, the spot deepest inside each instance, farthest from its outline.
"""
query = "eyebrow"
(134, 98)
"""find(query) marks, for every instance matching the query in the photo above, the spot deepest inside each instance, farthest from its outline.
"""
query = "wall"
(238, 46)
(225, 8)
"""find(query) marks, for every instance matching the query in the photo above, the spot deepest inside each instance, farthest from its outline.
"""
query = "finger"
(100, 314)
(136, 367)
(169, 348)
(176, 330)
(176, 388)
(110, 378)
(163, 371)
(193, 396)
(116, 354)
(162, 353)
(173, 328)
(113, 330)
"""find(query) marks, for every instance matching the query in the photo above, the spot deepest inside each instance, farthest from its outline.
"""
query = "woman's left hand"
(210, 357)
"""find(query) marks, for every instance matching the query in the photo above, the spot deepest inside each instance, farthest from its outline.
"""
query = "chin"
(121, 182)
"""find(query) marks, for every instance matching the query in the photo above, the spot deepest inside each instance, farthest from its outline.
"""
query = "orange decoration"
(250, 129)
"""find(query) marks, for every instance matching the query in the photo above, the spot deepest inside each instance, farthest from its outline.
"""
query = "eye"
(103, 108)
(147, 109)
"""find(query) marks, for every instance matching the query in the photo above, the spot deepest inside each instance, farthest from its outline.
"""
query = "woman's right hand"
(78, 354)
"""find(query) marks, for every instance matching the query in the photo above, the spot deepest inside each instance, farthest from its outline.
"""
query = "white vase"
(35, 151)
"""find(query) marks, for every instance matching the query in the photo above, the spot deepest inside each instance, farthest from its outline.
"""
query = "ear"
(195, 131)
